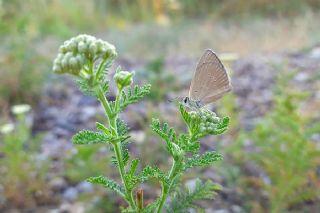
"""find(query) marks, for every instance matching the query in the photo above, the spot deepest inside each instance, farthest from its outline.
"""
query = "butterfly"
(210, 82)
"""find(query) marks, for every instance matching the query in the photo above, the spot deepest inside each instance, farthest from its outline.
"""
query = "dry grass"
(245, 37)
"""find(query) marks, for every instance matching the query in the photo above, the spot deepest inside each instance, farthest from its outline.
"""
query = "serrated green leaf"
(89, 137)
(85, 87)
(133, 96)
(205, 159)
(103, 128)
(167, 134)
(125, 152)
(107, 183)
(133, 166)
(183, 199)
(187, 144)
(153, 172)
(150, 208)
(122, 128)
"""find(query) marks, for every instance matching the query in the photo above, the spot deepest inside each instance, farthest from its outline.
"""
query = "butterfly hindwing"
(210, 81)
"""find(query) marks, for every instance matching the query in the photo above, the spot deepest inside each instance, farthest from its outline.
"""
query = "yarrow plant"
(89, 59)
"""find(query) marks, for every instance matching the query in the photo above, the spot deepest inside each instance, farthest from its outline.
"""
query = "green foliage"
(203, 123)
(50, 17)
(19, 149)
(107, 183)
(89, 137)
(86, 161)
(183, 199)
(116, 132)
(153, 172)
(122, 128)
(205, 159)
(161, 80)
(285, 152)
(133, 95)
(23, 72)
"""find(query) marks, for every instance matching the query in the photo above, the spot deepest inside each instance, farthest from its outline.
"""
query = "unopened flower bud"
(93, 48)
(177, 152)
(123, 78)
(216, 120)
(82, 47)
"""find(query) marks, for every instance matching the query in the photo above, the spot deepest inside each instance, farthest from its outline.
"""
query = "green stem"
(166, 187)
(122, 175)
(102, 98)
(100, 69)
(112, 120)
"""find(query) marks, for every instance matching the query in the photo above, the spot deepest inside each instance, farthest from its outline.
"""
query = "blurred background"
(271, 49)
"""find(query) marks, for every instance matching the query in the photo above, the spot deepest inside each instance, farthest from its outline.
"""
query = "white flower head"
(20, 109)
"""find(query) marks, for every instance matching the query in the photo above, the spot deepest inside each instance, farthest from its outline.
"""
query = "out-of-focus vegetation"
(28, 28)
(21, 165)
(85, 162)
(155, 74)
(22, 72)
(161, 32)
(58, 17)
(281, 147)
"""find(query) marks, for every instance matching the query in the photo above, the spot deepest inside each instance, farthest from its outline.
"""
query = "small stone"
(138, 136)
(71, 208)
(85, 187)
(315, 53)
(58, 184)
(301, 77)
(70, 194)
(191, 184)
(236, 209)
(221, 211)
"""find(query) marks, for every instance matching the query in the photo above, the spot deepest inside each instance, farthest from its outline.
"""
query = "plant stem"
(122, 175)
(166, 188)
(102, 98)
(112, 120)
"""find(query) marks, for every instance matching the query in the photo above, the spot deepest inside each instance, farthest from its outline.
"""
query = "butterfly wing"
(210, 81)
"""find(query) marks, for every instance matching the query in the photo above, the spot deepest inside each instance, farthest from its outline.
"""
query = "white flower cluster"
(77, 51)
(208, 120)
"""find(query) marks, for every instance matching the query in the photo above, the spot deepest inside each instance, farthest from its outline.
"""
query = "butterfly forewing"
(210, 81)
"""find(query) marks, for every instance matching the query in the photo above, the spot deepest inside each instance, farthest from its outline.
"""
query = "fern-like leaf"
(122, 127)
(153, 172)
(205, 159)
(184, 199)
(167, 133)
(187, 144)
(150, 208)
(133, 95)
(86, 87)
(107, 183)
(89, 137)
(125, 152)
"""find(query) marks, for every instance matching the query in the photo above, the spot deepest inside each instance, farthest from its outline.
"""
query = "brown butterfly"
(210, 82)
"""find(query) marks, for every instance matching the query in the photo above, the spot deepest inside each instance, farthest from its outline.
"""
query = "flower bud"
(76, 52)
(82, 47)
(177, 152)
(93, 48)
(57, 69)
(216, 120)
(123, 78)
(73, 62)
